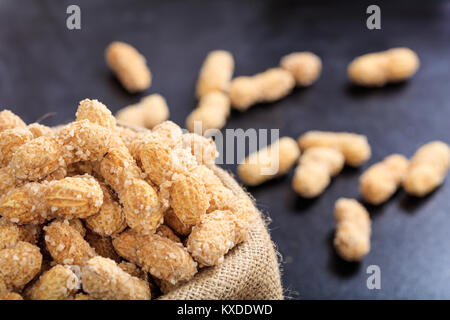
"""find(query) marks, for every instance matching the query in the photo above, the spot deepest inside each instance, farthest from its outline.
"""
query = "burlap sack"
(250, 271)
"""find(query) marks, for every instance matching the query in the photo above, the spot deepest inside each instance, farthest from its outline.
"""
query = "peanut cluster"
(91, 210)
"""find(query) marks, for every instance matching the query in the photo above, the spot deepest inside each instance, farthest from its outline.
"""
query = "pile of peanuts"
(92, 210)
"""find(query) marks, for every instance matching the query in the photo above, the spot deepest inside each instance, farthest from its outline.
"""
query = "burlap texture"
(250, 271)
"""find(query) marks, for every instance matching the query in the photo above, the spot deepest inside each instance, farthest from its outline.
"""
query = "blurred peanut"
(211, 113)
(268, 86)
(316, 167)
(149, 112)
(10, 141)
(428, 168)
(379, 182)
(129, 66)
(378, 69)
(216, 73)
(352, 238)
(270, 162)
(9, 120)
(354, 147)
(304, 66)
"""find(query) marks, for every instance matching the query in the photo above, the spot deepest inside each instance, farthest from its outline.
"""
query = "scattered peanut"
(316, 167)
(149, 112)
(354, 147)
(129, 66)
(216, 73)
(211, 113)
(378, 69)
(427, 169)
(304, 66)
(268, 86)
(352, 238)
(270, 162)
(379, 182)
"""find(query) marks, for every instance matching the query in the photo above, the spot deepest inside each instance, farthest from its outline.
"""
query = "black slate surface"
(45, 68)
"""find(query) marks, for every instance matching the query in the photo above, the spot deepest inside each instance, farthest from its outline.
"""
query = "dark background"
(46, 68)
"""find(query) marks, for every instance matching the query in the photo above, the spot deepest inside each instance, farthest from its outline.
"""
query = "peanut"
(316, 167)
(19, 265)
(72, 197)
(134, 270)
(216, 73)
(160, 256)
(102, 246)
(39, 130)
(268, 86)
(110, 220)
(149, 112)
(304, 66)
(11, 234)
(428, 168)
(58, 283)
(189, 199)
(379, 182)
(354, 147)
(78, 141)
(352, 238)
(211, 113)
(10, 141)
(203, 149)
(378, 69)
(103, 279)
(212, 238)
(9, 120)
(66, 245)
(96, 112)
(171, 219)
(218, 194)
(129, 66)
(269, 162)
(165, 232)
